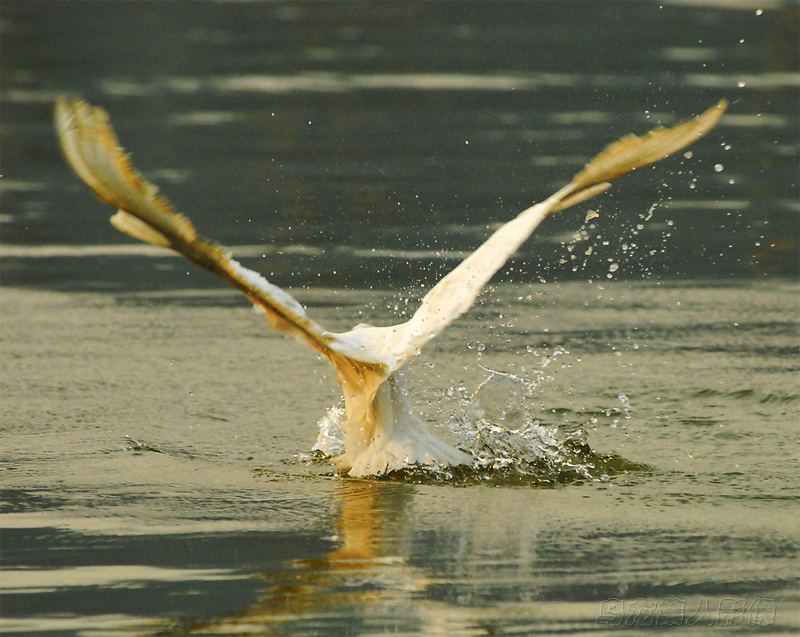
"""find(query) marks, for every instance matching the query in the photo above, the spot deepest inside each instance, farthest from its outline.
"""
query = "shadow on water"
(535, 457)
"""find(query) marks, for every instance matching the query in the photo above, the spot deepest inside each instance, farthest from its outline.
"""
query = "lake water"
(157, 475)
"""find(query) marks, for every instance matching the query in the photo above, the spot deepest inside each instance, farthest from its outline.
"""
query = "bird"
(382, 433)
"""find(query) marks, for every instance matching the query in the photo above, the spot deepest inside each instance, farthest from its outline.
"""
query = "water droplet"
(613, 267)
(688, 154)
(718, 168)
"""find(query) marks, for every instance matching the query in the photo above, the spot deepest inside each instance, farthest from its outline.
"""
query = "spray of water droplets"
(496, 423)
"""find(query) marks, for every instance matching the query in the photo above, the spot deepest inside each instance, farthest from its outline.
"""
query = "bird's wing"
(457, 291)
(91, 148)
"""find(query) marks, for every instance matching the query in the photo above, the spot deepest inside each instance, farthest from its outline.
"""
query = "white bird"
(381, 433)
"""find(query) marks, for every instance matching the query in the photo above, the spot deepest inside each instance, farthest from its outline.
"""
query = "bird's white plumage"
(257, 282)
(382, 433)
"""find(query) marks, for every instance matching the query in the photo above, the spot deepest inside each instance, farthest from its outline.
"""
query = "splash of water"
(330, 440)
(496, 424)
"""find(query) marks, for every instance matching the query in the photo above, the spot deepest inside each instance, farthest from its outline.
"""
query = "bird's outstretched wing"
(457, 291)
(91, 148)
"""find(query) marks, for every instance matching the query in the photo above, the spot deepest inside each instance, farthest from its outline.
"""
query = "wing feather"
(457, 291)
(632, 152)
(91, 148)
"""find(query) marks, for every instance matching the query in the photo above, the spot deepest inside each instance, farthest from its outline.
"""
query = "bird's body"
(381, 433)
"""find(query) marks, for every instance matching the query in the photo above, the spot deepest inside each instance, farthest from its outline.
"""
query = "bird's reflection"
(369, 564)
(371, 557)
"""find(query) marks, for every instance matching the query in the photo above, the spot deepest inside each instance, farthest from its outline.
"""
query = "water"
(629, 382)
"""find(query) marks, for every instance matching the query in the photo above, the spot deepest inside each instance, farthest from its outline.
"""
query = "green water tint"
(574, 462)
(577, 464)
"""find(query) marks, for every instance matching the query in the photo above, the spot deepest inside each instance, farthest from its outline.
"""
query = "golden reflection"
(372, 552)
(369, 563)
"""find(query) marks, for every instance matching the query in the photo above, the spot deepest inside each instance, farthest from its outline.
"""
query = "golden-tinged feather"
(632, 152)
(91, 147)
(581, 196)
(138, 229)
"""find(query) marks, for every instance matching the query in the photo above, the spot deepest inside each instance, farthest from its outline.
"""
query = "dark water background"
(407, 126)
(353, 152)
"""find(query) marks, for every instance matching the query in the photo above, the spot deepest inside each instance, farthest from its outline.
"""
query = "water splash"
(499, 427)
(496, 424)
(621, 412)
(330, 440)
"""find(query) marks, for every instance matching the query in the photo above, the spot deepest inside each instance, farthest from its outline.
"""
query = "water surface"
(156, 435)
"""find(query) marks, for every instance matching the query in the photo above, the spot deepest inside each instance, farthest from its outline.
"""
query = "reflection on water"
(227, 530)
(367, 571)
(354, 152)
